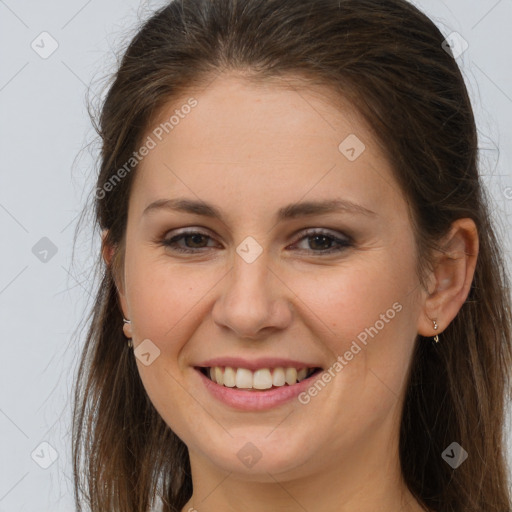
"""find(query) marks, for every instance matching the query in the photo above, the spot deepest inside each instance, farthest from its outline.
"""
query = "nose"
(253, 301)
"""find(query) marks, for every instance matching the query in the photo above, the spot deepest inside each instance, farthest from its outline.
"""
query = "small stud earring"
(436, 337)
(127, 322)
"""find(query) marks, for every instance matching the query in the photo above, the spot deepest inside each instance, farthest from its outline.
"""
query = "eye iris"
(326, 239)
(195, 236)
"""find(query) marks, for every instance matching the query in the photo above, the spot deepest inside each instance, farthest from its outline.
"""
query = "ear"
(108, 253)
(451, 277)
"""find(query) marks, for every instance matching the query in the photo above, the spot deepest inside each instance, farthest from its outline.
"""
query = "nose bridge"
(251, 274)
(250, 277)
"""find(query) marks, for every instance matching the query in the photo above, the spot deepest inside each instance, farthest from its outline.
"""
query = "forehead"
(276, 138)
(240, 105)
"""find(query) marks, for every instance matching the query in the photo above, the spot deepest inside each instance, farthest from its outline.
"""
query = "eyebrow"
(291, 211)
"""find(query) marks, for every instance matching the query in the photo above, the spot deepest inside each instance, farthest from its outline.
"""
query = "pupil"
(326, 240)
(195, 237)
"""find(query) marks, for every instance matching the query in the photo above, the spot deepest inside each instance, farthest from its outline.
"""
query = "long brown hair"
(387, 59)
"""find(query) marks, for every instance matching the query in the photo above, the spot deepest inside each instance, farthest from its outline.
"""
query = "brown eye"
(194, 240)
(322, 242)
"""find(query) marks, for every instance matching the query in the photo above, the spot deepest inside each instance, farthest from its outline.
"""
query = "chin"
(255, 457)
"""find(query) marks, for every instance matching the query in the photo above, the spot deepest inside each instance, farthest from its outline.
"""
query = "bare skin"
(250, 150)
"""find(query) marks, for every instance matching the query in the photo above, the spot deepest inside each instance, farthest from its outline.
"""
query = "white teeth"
(219, 378)
(263, 378)
(278, 377)
(229, 377)
(290, 375)
(243, 378)
(301, 374)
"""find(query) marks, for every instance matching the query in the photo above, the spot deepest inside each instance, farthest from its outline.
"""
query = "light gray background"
(45, 178)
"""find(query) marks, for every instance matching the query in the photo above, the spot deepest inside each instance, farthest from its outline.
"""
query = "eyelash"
(343, 243)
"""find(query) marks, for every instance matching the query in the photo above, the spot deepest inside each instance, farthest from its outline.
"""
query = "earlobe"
(452, 277)
(127, 328)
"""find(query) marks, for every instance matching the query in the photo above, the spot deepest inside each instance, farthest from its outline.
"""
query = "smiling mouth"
(258, 380)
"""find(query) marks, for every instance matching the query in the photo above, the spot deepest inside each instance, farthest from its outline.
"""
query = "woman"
(304, 305)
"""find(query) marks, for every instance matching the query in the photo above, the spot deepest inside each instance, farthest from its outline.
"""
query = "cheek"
(366, 312)
(353, 297)
(167, 299)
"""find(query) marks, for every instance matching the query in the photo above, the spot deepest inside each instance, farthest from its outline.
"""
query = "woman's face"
(275, 283)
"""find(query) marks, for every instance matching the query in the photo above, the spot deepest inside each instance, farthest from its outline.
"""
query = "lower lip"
(256, 400)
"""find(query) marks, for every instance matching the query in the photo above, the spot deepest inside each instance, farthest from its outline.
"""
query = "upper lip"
(256, 364)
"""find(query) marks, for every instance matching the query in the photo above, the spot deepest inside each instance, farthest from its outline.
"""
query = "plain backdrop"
(47, 162)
